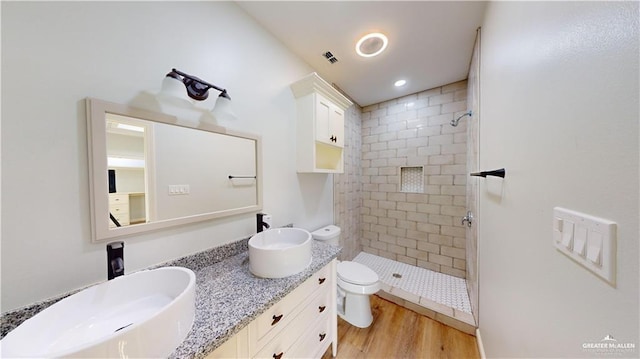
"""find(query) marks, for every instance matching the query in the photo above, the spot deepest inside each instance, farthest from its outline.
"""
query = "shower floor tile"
(417, 284)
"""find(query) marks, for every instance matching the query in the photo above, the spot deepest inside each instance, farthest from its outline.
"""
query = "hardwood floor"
(398, 332)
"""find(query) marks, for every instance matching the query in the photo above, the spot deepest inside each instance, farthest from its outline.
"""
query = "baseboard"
(480, 345)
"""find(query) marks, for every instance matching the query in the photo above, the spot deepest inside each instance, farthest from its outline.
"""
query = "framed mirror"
(150, 170)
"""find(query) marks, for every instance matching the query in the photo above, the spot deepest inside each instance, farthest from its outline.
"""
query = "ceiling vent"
(329, 56)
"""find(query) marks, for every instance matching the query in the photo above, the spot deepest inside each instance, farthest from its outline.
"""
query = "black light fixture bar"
(197, 89)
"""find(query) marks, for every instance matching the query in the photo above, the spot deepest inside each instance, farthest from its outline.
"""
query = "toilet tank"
(329, 234)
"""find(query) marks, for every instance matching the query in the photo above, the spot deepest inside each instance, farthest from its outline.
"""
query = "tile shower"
(403, 191)
(420, 228)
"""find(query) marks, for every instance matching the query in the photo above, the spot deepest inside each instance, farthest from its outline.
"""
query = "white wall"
(129, 180)
(123, 146)
(559, 102)
(203, 161)
(56, 54)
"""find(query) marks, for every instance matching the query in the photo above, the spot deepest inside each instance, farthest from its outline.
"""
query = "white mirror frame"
(99, 183)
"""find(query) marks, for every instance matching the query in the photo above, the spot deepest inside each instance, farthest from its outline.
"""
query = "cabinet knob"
(322, 336)
(277, 356)
(276, 319)
(322, 308)
(321, 280)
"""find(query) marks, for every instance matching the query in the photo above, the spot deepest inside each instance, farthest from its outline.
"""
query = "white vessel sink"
(279, 252)
(144, 314)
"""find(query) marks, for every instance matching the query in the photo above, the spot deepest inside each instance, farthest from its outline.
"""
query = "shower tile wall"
(347, 187)
(421, 229)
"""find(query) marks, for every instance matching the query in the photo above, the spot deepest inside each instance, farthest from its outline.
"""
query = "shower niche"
(412, 179)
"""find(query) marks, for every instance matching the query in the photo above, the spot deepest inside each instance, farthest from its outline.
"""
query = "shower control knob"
(468, 218)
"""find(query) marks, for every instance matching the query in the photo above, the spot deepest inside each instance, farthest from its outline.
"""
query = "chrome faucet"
(261, 224)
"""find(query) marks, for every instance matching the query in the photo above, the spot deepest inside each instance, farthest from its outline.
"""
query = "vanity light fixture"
(198, 90)
(223, 109)
(371, 44)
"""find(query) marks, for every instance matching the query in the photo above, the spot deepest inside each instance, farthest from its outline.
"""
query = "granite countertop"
(228, 297)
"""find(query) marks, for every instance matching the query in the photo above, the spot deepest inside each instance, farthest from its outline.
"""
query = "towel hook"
(496, 173)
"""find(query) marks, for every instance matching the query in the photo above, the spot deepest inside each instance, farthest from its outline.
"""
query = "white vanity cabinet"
(127, 208)
(301, 325)
(320, 125)
(119, 208)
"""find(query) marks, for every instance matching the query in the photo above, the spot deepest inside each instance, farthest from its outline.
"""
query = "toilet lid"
(356, 273)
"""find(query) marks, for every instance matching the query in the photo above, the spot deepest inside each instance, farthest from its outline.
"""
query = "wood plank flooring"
(398, 332)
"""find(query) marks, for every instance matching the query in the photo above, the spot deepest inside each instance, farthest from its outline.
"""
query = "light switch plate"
(178, 189)
(580, 240)
(558, 224)
(567, 235)
(592, 239)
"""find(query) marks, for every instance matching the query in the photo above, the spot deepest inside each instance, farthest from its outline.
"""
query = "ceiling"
(430, 42)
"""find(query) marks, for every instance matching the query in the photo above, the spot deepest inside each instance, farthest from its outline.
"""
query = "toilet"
(356, 282)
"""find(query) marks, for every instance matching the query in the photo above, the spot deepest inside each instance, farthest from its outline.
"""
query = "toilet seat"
(356, 273)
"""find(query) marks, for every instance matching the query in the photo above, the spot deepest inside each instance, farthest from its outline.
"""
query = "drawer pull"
(277, 356)
(276, 319)
(321, 280)
(322, 336)
(322, 308)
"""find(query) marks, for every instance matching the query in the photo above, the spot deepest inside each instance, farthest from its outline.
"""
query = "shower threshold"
(439, 296)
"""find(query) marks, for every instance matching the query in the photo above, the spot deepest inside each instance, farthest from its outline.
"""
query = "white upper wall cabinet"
(320, 126)
(329, 122)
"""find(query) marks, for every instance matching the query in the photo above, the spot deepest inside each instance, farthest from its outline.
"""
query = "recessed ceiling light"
(400, 83)
(371, 44)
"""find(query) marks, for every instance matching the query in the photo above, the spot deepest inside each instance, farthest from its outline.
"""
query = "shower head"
(454, 123)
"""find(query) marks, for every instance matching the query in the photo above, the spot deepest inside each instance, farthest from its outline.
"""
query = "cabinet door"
(323, 120)
(336, 125)
(227, 350)
(329, 122)
(234, 347)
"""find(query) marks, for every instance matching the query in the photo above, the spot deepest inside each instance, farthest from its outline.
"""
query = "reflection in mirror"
(151, 171)
(126, 164)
